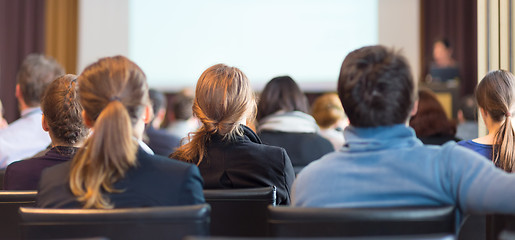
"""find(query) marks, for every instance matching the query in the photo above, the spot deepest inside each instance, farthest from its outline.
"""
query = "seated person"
(328, 112)
(383, 164)
(159, 140)
(36, 72)
(3, 122)
(430, 122)
(63, 121)
(228, 153)
(112, 170)
(495, 97)
(182, 120)
(467, 119)
(283, 121)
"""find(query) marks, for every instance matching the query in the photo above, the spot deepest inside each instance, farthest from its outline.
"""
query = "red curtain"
(21, 32)
(455, 20)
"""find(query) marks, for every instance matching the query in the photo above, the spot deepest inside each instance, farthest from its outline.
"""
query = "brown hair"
(281, 93)
(376, 87)
(431, 118)
(222, 98)
(62, 110)
(495, 94)
(114, 93)
(36, 72)
(327, 110)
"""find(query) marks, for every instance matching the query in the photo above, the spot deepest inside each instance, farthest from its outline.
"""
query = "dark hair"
(468, 107)
(496, 94)
(281, 93)
(36, 72)
(157, 99)
(430, 118)
(444, 41)
(376, 87)
(182, 106)
(62, 110)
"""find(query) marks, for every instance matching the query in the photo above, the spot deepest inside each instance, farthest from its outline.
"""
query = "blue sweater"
(389, 166)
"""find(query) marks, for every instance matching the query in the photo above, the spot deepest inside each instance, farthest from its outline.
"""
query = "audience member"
(183, 122)
(228, 153)
(383, 164)
(330, 117)
(283, 121)
(63, 121)
(467, 119)
(3, 122)
(495, 97)
(111, 170)
(159, 140)
(35, 73)
(431, 123)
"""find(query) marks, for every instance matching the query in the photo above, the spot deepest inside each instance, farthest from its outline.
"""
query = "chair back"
(472, 227)
(348, 222)
(240, 212)
(10, 201)
(2, 174)
(174, 222)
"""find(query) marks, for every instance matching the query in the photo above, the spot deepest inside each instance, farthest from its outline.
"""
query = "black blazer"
(245, 163)
(156, 181)
(302, 148)
(162, 142)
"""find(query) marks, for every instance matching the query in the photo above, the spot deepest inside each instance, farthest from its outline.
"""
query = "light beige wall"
(103, 30)
(399, 27)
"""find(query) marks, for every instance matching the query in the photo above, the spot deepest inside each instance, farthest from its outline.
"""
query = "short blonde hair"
(327, 110)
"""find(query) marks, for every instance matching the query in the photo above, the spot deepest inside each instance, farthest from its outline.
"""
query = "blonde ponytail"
(114, 94)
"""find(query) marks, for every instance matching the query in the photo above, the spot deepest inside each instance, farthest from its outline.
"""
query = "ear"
(414, 109)
(44, 124)
(484, 113)
(147, 114)
(86, 119)
(17, 91)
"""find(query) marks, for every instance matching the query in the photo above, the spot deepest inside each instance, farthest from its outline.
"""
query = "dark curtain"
(455, 20)
(21, 32)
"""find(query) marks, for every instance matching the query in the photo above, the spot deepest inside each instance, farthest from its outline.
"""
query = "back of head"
(223, 98)
(495, 94)
(327, 110)
(468, 107)
(376, 87)
(281, 94)
(114, 94)
(182, 106)
(157, 99)
(431, 119)
(36, 72)
(62, 110)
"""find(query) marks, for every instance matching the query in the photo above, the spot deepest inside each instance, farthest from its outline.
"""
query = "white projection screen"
(175, 41)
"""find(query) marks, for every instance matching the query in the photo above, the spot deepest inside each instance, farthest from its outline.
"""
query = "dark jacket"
(162, 142)
(156, 181)
(302, 148)
(245, 163)
(25, 174)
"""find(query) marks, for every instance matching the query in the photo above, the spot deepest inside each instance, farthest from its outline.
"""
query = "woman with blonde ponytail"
(114, 169)
(495, 97)
(227, 152)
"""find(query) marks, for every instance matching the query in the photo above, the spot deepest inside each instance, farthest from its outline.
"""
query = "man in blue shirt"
(383, 164)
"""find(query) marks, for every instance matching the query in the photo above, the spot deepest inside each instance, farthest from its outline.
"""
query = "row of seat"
(235, 212)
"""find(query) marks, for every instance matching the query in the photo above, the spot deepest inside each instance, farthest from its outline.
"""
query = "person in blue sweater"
(495, 97)
(383, 164)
